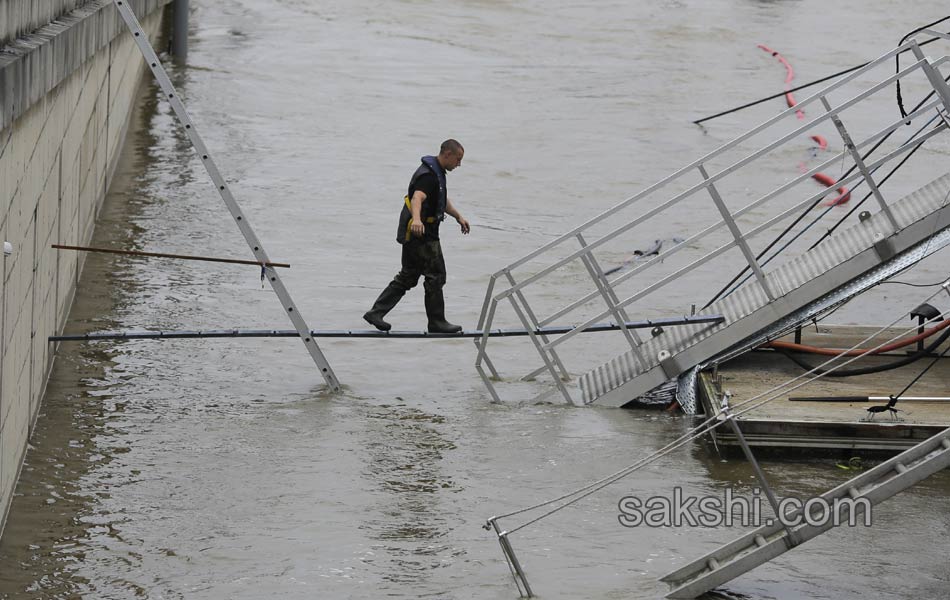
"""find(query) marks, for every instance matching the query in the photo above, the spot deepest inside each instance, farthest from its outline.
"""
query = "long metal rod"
(516, 571)
(303, 330)
(372, 333)
(235, 261)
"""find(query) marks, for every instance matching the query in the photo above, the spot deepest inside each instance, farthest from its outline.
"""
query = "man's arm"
(451, 210)
(418, 228)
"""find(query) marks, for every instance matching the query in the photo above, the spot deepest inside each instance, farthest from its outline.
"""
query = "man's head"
(450, 154)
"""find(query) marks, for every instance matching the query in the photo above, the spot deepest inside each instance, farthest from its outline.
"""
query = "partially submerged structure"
(789, 275)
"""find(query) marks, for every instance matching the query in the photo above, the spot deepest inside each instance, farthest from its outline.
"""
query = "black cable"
(780, 94)
(919, 285)
(897, 60)
(800, 87)
(894, 399)
(875, 369)
(798, 220)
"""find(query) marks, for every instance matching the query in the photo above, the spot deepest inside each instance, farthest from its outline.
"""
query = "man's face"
(453, 159)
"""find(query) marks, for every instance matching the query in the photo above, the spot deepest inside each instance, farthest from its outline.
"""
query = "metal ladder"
(892, 227)
(770, 541)
(257, 248)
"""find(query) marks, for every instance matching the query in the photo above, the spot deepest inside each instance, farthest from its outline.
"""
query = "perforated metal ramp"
(840, 259)
(768, 542)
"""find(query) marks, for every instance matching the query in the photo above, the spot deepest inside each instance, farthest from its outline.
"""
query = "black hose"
(875, 369)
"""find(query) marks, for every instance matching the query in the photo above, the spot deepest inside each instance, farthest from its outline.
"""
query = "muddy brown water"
(221, 469)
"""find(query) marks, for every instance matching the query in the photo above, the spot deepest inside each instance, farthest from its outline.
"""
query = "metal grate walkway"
(767, 542)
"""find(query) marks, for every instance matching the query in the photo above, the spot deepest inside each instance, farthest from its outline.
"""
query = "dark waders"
(420, 258)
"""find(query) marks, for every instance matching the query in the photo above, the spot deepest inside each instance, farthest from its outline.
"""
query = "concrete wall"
(58, 146)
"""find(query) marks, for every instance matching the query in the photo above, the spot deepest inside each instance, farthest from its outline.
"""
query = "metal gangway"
(849, 501)
(728, 182)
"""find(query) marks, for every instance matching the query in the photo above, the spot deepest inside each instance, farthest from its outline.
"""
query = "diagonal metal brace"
(151, 59)
(513, 565)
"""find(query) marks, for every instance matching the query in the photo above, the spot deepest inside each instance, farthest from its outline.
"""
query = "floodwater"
(222, 469)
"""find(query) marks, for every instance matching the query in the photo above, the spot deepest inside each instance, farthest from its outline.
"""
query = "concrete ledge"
(35, 64)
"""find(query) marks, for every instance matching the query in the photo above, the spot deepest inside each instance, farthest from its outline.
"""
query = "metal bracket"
(668, 363)
(882, 244)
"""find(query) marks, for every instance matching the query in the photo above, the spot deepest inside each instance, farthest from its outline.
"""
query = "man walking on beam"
(424, 208)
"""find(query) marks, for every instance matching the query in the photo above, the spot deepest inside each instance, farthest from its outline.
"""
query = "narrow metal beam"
(233, 261)
(151, 59)
(372, 333)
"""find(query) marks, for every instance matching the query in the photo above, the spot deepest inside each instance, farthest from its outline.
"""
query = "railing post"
(544, 353)
(859, 162)
(484, 321)
(938, 82)
(611, 299)
(736, 234)
(535, 325)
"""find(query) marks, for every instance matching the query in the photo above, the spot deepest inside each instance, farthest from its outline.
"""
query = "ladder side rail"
(257, 248)
(751, 233)
(911, 455)
(706, 158)
(728, 170)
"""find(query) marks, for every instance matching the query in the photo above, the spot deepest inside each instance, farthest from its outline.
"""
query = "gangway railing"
(713, 179)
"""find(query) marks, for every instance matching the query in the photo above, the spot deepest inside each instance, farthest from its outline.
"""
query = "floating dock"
(830, 415)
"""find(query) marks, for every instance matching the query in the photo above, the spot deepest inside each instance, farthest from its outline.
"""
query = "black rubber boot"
(389, 298)
(435, 310)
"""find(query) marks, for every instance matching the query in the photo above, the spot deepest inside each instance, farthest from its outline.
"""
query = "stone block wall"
(59, 142)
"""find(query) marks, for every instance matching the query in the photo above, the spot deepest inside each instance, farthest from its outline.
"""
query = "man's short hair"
(451, 146)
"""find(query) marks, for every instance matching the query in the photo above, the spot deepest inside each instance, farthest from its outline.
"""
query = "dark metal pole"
(233, 261)
(180, 31)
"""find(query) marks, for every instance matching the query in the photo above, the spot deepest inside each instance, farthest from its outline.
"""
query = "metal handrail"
(721, 149)
(605, 288)
(714, 178)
